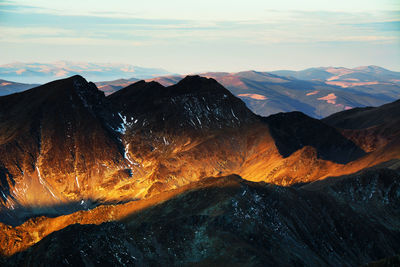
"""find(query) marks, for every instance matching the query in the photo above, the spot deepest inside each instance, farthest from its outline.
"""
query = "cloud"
(34, 24)
(393, 25)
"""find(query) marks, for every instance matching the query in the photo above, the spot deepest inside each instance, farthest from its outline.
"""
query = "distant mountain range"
(266, 93)
(46, 72)
(345, 77)
(317, 92)
(8, 87)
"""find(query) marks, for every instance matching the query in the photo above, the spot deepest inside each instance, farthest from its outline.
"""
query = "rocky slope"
(346, 221)
(372, 128)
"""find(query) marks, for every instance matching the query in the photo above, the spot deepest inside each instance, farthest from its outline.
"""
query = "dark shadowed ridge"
(294, 130)
(360, 118)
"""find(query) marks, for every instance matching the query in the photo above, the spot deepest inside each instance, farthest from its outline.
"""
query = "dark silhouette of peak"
(361, 118)
(74, 88)
(197, 80)
(75, 82)
(294, 130)
(140, 85)
(189, 85)
(76, 78)
(197, 85)
(138, 89)
(58, 97)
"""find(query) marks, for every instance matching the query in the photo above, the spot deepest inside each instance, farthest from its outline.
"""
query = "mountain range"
(187, 174)
(317, 92)
(45, 72)
(345, 77)
(8, 87)
(266, 93)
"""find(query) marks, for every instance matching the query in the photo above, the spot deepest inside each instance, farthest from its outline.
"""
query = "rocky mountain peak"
(194, 102)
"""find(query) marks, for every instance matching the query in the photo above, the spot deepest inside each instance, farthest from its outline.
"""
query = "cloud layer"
(142, 29)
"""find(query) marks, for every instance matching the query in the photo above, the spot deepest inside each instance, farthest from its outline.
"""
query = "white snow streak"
(126, 154)
(165, 141)
(234, 114)
(198, 120)
(122, 128)
(42, 182)
(76, 179)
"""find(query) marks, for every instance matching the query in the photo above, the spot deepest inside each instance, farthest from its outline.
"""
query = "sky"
(207, 35)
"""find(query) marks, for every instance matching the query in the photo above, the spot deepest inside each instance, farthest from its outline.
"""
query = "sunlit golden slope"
(64, 143)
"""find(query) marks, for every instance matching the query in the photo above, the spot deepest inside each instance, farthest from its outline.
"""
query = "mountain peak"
(138, 90)
(197, 80)
(195, 84)
(369, 67)
(77, 77)
(74, 83)
(194, 102)
(139, 85)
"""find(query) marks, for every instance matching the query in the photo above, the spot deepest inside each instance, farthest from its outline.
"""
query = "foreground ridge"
(241, 222)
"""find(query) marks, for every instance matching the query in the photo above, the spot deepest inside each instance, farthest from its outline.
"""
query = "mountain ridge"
(266, 93)
(70, 154)
(45, 72)
(236, 212)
